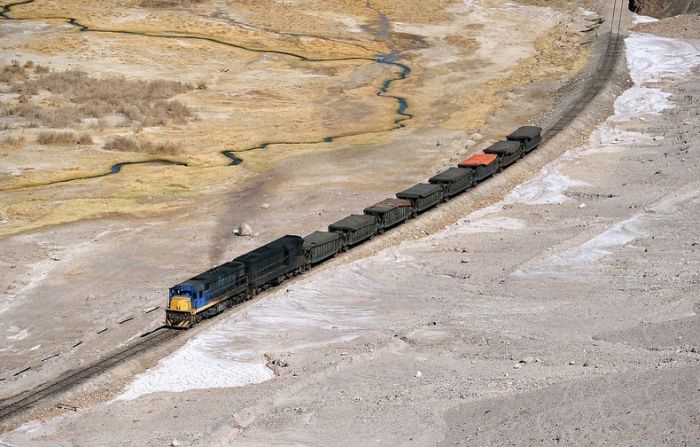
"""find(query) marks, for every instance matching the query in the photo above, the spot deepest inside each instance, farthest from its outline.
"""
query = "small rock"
(658, 138)
(537, 360)
(175, 443)
(583, 205)
(265, 206)
(572, 362)
(585, 363)
(243, 230)
(476, 136)
(527, 359)
(419, 374)
(517, 366)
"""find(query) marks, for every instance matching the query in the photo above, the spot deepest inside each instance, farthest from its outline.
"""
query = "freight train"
(233, 282)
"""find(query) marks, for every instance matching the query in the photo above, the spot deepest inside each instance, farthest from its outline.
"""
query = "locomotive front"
(181, 311)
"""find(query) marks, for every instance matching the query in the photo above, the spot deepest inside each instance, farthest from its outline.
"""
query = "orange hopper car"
(484, 165)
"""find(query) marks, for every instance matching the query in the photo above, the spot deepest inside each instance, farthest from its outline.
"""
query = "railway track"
(24, 401)
(67, 380)
(597, 82)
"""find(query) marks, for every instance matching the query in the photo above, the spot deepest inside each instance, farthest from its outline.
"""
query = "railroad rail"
(598, 81)
(23, 401)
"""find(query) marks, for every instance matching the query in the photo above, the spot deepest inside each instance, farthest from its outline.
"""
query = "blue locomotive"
(213, 291)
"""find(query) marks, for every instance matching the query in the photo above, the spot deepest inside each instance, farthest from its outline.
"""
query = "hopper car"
(423, 196)
(390, 212)
(508, 152)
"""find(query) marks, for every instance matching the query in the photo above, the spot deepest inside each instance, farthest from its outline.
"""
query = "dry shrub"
(84, 139)
(144, 102)
(123, 144)
(12, 141)
(55, 117)
(129, 144)
(168, 3)
(53, 137)
(12, 72)
(166, 148)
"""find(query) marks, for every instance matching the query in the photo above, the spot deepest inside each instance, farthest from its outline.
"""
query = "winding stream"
(387, 59)
(113, 170)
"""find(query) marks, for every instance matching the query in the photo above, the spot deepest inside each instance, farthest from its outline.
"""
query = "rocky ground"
(555, 304)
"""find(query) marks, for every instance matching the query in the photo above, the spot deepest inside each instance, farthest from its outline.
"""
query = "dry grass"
(168, 3)
(129, 144)
(77, 96)
(12, 72)
(84, 140)
(52, 137)
(18, 71)
(12, 141)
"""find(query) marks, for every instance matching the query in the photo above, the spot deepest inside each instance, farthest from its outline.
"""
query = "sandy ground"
(151, 227)
(564, 313)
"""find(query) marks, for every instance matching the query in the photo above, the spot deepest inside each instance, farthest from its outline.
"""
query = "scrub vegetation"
(76, 97)
(128, 144)
(168, 3)
(53, 137)
(12, 141)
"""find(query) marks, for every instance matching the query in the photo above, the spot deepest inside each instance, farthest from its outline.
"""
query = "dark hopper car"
(355, 228)
(390, 212)
(507, 151)
(274, 262)
(321, 245)
(423, 196)
(484, 165)
(454, 180)
(528, 136)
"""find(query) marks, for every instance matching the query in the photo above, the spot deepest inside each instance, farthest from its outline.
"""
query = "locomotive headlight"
(182, 303)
